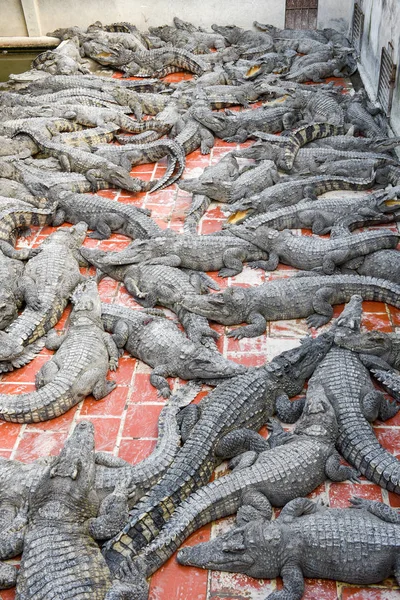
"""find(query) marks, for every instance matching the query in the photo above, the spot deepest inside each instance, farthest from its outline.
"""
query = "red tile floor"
(126, 421)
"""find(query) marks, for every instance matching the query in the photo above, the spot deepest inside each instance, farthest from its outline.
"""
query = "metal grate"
(358, 26)
(387, 77)
(301, 14)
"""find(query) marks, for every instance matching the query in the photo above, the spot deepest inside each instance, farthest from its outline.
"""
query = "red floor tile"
(141, 421)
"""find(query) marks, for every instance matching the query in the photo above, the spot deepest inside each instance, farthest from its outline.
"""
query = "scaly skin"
(358, 144)
(293, 298)
(294, 466)
(50, 277)
(93, 167)
(384, 263)
(17, 217)
(160, 62)
(225, 420)
(215, 181)
(345, 382)
(159, 284)
(89, 137)
(201, 253)
(104, 216)
(63, 82)
(79, 367)
(318, 71)
(291, 191)
(312, 252)
(321, 215)
(324, 543)
(159, 343)
(237, 127)
(60, 555)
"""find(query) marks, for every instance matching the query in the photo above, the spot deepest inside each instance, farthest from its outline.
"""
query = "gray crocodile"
(291, 191)
(158, 342)
(312, 252)
(102, 215)
(200, 253)
(221, 426)
(79, 367)
(345, 382)
(162, 61)
(324, 543)
(52, 276)
(237, 127)
(294, 466)
(358, 144)
(160, 284)
(321, 215)
(292, 298)
(60, 555)
(383, 263)
(93, 167)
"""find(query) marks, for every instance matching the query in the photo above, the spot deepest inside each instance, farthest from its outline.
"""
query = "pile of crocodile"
(89, 524)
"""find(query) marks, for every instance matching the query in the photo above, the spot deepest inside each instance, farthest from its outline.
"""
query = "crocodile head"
(318, 419)
(73, 236)
(8, 307)
(228, 307)
(253, 549)
(293, 367)
(385, 202)
(87, 303)
(76, 459)
(208, 118)
(264, 237)
(230, 32)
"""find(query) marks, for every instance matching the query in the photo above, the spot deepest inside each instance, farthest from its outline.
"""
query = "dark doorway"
(301, 14)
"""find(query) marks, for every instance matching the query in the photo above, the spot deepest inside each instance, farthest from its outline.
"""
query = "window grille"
(387, 77)
(358, 27)
(301, 14)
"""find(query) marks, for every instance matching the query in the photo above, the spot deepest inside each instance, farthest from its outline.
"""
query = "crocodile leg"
(233, 261)
(257, 327)
(239, 441)
(289, 411)
(322, 308)
(112, 350)
(113, 514)
(28, 289)
(268, 265)
(101, 388)
(331, 259)
(187, 419)
(255, 506)
(338, 472)
(54, 339)
(8, 576)
(46, 373)
(380, 510)
(59, 217)
(297, 508)
(158, 378)
(293, 584)
(375, 404)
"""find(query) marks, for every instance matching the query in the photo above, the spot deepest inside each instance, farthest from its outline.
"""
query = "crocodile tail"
(197, 209)
(51, 401)
(379, 290)
(305, 135)
(389, 380)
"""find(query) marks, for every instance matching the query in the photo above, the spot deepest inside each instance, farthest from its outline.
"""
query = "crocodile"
(200, 253)
(84, 96)
(302, 36)
(159, 284)
(361, 118)
(36, 180)
(323, 107)
(358, 144)
(103, 216)
(215, 181)
(314, 253)
(237, 127)
(158, 342)
(162, 61)
(294, 466)
(63, 60)
(294, 298)
(79, 367)
(151, 152)
(344, 380)
(318, 72)
(92, 166)
(383, 263)
(16, 216)
(51, 277)
(308, 540)
(191, 134)
(87, 138)
(247, 41)
(322, 215)
(15, 190)
(63, 82)
(293, 190)
(324, 53)
(60, 554)
(222, 426)
(14, 290)
(49, 126)
(193, 41)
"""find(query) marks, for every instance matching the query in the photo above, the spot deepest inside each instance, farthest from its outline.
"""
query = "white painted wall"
(336, 14)
(381, 25)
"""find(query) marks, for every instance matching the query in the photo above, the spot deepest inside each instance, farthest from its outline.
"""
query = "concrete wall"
(381, 25)
(336, 14)
(37, 17)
